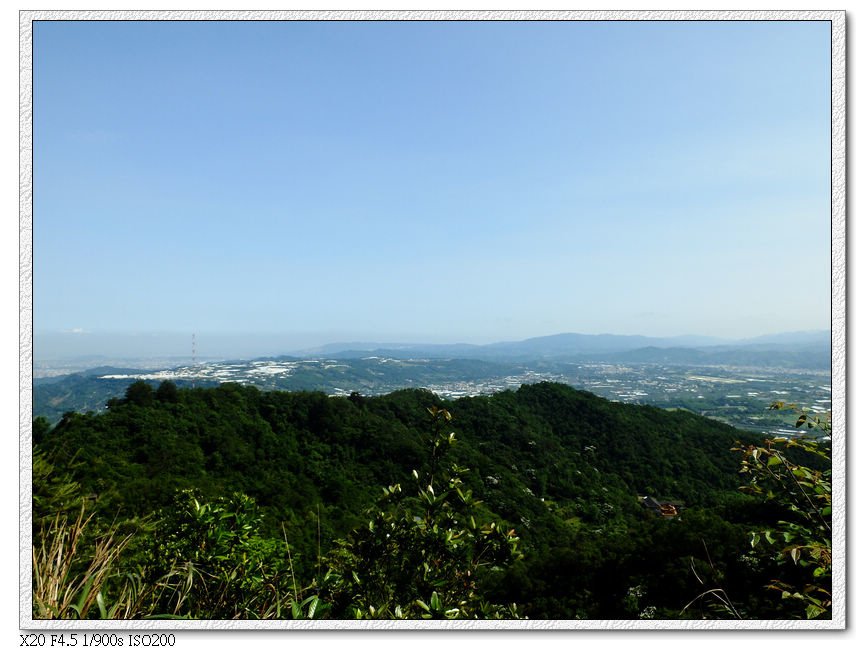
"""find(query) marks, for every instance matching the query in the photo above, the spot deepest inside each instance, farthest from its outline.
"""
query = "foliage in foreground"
(69, 582)
(784, 472)
(416, 558)
(562, 465)
(66, 582)
(422, 557)
(791, 479)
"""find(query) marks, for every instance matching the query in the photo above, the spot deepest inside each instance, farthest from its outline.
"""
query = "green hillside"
(561, 467)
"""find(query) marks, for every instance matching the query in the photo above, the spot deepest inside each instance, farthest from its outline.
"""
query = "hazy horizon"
(431, 182)
(50, 346)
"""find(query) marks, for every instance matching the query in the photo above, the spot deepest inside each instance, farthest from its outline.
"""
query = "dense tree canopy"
(562, 468)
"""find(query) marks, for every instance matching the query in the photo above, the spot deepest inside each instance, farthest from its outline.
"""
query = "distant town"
(739, 396)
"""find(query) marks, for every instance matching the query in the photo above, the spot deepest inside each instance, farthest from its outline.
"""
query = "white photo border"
(839, 313)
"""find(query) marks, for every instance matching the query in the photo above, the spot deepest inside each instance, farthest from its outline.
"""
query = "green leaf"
(100, 603)
(434, 602)
(313, 606)
(79, 606)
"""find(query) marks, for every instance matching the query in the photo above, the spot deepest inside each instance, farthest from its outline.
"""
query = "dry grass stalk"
(66, 585)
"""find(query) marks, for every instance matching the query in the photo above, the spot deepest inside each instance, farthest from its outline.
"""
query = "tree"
(140, 393)
(167, 391)
(41, 427)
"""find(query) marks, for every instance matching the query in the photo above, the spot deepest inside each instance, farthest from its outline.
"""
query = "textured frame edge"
(838, 316)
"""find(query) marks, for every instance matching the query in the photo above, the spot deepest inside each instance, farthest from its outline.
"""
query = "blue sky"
(431, 181)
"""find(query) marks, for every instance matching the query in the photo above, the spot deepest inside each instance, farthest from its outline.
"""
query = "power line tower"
(193, 359)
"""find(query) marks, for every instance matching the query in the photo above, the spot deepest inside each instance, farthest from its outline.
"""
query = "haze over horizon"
(132, 345)
(430, 182)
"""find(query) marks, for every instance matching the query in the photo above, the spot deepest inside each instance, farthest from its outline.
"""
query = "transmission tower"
(193, 359)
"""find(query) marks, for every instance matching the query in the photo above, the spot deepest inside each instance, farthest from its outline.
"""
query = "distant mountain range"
(583, 346)
(462, 369)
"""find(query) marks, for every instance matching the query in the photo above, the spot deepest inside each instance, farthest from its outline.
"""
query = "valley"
(736, 395)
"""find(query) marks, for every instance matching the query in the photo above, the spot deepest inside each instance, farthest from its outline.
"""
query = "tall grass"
(77, 574)
(68, 583)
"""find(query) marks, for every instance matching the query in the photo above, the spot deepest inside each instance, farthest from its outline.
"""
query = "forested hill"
(288, 450)
(563, 467)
